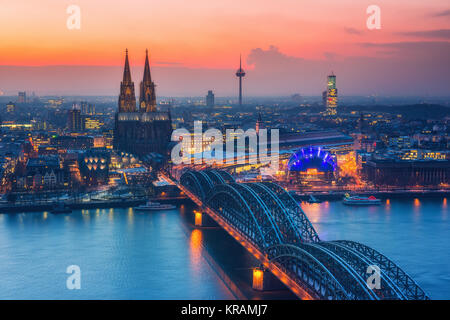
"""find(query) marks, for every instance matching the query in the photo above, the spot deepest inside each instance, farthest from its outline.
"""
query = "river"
(123, 254)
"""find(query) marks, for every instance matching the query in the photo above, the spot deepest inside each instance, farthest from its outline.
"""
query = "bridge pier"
(202, 219)
(264, 280)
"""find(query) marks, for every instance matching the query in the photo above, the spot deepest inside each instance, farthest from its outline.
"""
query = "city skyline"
(224, 150)
(407, 56)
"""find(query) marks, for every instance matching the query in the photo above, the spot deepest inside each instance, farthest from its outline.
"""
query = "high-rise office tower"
(74, 119)
(210, 99)
(91, 109)
(87, 108)
(127, 98)
(332, 95)
(240, 73)
(84, 107)
(22, 98)
(147, 97)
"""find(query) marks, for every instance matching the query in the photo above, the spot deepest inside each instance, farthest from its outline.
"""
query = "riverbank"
(33, 207)
(403, 194)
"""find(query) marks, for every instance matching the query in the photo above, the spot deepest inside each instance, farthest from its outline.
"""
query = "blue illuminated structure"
(312, 157)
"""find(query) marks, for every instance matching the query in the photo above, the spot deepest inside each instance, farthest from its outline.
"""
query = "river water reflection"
(127, 255)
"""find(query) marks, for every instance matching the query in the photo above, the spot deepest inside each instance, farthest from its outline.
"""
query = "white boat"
(154, 206)
(360, 201)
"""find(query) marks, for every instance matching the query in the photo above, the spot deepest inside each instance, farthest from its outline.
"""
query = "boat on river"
(154, 206)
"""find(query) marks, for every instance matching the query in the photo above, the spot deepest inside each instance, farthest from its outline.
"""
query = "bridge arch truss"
(271, 220)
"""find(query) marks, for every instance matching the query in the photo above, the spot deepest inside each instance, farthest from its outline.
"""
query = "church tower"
(147, 97)
(141, 130)
(127, 98)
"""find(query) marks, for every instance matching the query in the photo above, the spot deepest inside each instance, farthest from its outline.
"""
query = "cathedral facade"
(140, 129)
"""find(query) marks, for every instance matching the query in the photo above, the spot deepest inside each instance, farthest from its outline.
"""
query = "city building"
(311, 166)
(210, 99)
(84, 107)
(72, 142)
(91, 109)
(10, 107)
(331, 96)
(332, 140)
(87, 108)
(145, 130)
(92, 123)
(259, 124)
(94, 166)
(391, 172)
(43, 172)
(324, 98)
(74, 120)
(22, 97)
(401, 142)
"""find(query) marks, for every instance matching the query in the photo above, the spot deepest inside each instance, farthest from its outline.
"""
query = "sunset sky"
(288, 46)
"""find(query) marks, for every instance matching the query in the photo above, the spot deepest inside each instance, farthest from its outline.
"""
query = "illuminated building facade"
(74, 120)
(10, 107)
(311, 166)
(92, 123)
(145, 130)
(99, 142)
(72, 142)
(332, 96)
(94, 167)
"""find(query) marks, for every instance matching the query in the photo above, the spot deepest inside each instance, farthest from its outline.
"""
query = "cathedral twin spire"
(147, 97)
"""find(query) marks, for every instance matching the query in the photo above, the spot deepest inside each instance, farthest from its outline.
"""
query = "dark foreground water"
(127, 255)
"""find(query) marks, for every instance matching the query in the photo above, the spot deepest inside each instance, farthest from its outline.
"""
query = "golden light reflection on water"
(45, 215)
(387, 207)
(111, 214)
(444, 208)
(183, 210)
(130, 216)
(416, 209)
(85, 216)
(316, 212)
(196, 248)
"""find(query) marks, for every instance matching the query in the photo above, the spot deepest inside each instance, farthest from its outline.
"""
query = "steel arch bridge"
(270, 220)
